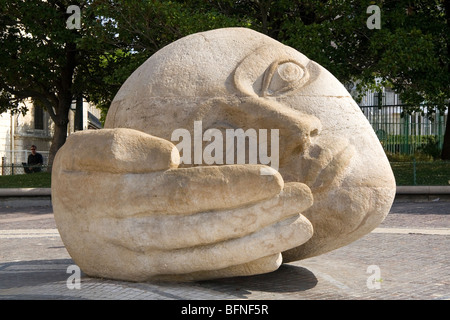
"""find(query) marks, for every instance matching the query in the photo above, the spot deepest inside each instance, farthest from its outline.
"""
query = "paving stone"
(411, 265)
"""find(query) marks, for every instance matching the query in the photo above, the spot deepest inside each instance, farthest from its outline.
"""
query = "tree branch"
(35, 95)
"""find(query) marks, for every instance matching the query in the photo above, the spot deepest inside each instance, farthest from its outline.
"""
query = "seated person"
(35, 161)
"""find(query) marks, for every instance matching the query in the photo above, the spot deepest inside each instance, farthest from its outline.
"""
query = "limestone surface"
(138, 201)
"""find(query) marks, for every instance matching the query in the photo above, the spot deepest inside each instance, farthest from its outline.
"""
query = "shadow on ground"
(33, 273)
(288, 278)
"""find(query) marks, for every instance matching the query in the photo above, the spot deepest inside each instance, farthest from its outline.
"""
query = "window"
(38, 117)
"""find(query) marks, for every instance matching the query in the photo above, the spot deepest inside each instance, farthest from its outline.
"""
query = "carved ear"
(273, 70)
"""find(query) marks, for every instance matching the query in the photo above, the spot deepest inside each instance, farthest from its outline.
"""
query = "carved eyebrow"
(220, 124)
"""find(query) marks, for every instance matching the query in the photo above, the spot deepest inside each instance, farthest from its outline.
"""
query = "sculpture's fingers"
(178, 191)
(258, 266)
(117, 151)
(122, 263)
(157, 232)
(273, 239)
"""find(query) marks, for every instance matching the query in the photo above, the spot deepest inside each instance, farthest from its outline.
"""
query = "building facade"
(18, 132)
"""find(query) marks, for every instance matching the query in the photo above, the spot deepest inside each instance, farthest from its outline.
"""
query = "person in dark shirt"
(35, 160)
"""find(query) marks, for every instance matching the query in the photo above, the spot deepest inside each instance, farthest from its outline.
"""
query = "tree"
(39, 60)
(131, 31)
(42, 59)
(409, 53)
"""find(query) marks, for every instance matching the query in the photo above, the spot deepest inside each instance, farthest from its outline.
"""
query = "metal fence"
(401, 132)
(20, 156)
(13, 162)
(15, 169)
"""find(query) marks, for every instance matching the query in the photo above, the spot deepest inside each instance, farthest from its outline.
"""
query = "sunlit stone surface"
(130, 206)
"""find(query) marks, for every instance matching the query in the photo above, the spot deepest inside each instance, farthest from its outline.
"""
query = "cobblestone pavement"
(407, 257)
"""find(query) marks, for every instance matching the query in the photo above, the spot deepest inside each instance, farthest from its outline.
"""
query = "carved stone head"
(238, 78)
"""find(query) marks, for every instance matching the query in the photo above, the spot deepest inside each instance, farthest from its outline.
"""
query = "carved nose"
(303, 131)
(297, 129)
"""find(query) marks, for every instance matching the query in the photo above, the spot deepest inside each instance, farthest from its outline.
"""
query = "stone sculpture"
(130, 206)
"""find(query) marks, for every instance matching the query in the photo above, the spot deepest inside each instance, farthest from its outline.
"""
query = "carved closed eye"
(282, 76)
(271, 71)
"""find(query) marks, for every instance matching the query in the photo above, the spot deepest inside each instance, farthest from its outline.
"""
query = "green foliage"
(42, 59)
(32, 38)
(128, 32)
(431, 147)
(428, 148)
(409, 53)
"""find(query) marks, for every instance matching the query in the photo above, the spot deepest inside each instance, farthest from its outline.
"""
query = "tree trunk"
(61, 120)
(59, 138)
(61, 114)
(446, 145)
